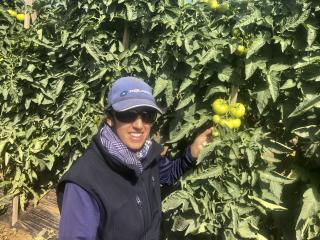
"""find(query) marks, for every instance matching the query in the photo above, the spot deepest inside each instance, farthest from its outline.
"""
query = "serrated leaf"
(225, 74)
(251, 155)
(131, 11)
(180, 224)
(288, 84)
(64, 37)
(186, 101)
(273, 84)
(278, 67)
(276, 178)
(207, 150)
(275, 146)
(169, 93)
(266, 204)
(305, 106)
(257, 43)
(174, 200)
(309, 208)
(214, 89)
(307, 131)
(312, 34)
(212, 53)
(185, 84)
(252, 64)
(187, 46)
(262, 99)
(180, 133)
(245, 231)
(89, 49)
(212, 172)
(160, 86)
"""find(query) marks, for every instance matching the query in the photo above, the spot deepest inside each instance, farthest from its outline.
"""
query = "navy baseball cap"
(130, 92)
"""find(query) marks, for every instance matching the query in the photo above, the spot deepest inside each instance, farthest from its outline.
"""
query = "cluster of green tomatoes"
(216, 5)
(18, 16)
(227, 115)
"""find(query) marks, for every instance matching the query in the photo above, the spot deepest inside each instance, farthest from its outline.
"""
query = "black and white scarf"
(121, 152)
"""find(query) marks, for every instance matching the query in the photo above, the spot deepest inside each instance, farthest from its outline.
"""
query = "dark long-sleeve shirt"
(80, 212)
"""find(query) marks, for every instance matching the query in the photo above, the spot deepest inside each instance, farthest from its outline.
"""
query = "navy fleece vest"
(130, 206)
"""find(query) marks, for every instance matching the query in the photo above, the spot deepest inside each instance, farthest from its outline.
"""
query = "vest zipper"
(139, 203)
(148, 203)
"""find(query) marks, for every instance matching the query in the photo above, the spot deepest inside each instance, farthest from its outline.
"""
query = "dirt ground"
(8, 233)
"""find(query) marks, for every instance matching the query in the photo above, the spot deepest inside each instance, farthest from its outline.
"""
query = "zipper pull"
(139, 202)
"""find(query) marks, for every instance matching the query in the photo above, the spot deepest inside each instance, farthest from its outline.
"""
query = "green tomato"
(220, 106)
(224, 7)
(216, 118)
(241, 50)
(20, 17)
(237, 110)
(236, 123)
(214, 4)
(12, 13)
(215, 133)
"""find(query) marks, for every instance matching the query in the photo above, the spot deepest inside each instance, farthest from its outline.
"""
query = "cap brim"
(134, 103)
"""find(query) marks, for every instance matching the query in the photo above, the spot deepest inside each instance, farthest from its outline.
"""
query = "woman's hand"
(200, 142)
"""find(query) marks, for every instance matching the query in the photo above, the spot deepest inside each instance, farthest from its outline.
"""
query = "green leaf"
(312, 33)
(276, 177)
(257, 43)
(245, 231)
(89, 49)
(180, 224)
(131, 12)
(275, 146)
(307, 131)
(185, 84)
(186, 101)
(273, 83)
(212, 172)
(266, 204)
(251, 155)
(252, 64)
(64, 37)
(225, 74)
(174, 200)
(180, 133)
(169, 93)
(160, 86)
(214, 89)
(212, 53)
(187, 46)
(279, 67)
(294, 21)
(305, 106)
(262, 99)
(310, 206)
(207, 151)
(288, 84)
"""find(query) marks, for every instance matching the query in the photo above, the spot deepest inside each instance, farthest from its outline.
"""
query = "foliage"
(54, 75)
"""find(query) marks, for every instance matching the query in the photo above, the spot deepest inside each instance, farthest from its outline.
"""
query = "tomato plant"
(53, 78)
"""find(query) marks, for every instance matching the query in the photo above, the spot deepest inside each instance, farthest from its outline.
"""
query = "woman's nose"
(138, 123)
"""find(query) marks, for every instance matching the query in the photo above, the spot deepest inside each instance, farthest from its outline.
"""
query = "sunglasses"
(147, 116)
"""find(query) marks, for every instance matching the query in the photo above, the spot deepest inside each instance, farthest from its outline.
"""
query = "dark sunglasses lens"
(127, 116)
(148, 116)
(130, 116)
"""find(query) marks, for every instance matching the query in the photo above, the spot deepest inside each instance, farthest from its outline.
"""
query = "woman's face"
(133, 134)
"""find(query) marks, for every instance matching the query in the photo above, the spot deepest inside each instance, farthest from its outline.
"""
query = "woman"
(112, 191)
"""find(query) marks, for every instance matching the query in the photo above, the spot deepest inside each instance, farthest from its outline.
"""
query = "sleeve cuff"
(189, 156)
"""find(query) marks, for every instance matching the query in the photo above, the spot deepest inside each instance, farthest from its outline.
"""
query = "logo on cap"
(136, 90)
(122, 94)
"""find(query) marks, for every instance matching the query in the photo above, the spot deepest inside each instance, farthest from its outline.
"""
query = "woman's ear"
(109, 121)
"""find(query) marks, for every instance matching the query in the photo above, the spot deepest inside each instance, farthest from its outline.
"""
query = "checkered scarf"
(117, 149)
